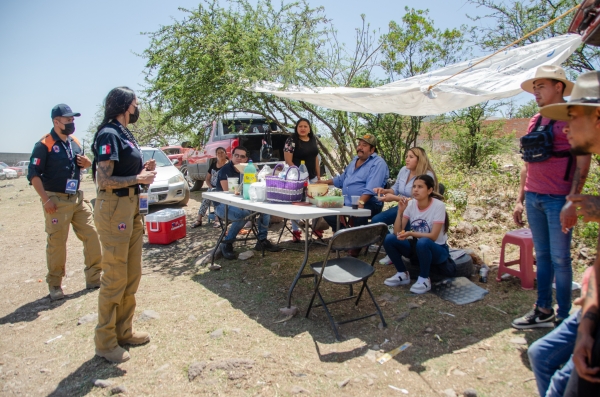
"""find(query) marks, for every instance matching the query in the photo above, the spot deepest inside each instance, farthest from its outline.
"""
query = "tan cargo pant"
(72, 209)
(119, 225)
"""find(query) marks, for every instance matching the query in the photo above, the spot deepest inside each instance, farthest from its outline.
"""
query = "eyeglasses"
(240, 156)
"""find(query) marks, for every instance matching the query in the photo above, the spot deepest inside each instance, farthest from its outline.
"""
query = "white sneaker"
(385, 261)
(421, 287)
(400, 278)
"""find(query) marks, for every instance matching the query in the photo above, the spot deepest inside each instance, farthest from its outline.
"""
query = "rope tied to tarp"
(506, 47)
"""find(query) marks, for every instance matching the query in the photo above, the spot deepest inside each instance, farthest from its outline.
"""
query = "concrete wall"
(13, 158)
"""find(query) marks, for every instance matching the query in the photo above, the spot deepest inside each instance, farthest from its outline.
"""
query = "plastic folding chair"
(348, 270)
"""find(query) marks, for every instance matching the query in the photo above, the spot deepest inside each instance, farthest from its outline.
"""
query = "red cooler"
(165, 226)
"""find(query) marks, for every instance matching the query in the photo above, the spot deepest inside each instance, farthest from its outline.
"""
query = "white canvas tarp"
(496, 78)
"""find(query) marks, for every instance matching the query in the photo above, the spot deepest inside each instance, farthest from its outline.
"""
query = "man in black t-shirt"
(239, 155)
(54, 171)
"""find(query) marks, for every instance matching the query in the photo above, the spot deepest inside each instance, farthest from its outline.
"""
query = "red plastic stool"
(524, 240)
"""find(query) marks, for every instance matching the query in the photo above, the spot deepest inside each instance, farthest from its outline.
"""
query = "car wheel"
(190, 182)
(464, 268)
(186, 198)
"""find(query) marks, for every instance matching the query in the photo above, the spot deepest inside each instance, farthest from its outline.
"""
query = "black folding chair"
(348, 270)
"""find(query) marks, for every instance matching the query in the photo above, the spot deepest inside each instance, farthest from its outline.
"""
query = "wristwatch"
(361, 202)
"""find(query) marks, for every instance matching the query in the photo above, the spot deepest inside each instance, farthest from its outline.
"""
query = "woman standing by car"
(416, 163)
(302, 146)
(119, 171)
(211, 181)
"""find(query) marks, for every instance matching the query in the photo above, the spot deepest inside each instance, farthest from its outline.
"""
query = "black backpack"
(538, 146)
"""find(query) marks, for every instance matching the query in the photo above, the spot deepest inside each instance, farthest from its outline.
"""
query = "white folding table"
(286, 211)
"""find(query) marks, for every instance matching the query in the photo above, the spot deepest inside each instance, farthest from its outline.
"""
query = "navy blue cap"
(63, 110)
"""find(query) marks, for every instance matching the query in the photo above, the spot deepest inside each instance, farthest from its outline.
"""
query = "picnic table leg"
(301, 270)
(212, 257)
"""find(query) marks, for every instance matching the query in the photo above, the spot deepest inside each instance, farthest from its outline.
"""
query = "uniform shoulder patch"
(48, 141)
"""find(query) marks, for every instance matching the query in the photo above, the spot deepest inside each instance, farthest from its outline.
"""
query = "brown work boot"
(56, 293)
(92, 284)
(138, 338)
(116, 355)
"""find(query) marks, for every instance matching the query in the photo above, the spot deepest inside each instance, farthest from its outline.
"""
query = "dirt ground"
(223, 326)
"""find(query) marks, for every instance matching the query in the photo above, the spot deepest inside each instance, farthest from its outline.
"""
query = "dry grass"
(243, 300)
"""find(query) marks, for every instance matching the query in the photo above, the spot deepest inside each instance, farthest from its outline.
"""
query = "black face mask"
(69, 128)
(135, 116)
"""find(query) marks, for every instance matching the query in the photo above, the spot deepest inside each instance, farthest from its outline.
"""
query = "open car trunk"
(254, 144)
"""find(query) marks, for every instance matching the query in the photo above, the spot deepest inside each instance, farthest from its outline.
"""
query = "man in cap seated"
(366, 171)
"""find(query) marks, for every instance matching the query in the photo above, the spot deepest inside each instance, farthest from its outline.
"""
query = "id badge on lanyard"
(72, 183)
(143, 199)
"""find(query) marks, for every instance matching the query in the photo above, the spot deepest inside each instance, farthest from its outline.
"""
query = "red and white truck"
(262, 138)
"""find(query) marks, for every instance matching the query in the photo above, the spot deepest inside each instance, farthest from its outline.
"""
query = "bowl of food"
(317, 190)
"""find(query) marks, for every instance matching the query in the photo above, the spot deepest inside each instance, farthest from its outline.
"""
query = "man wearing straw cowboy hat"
(582, 112)
(547, 177)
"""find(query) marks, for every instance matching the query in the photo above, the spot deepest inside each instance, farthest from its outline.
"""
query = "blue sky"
(75, 51)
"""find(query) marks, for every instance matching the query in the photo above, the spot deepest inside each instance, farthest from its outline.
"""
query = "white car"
(10, 174)
(169, 186)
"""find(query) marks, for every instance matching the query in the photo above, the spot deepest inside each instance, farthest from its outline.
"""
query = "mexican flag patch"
(105, 149)
(35, 161)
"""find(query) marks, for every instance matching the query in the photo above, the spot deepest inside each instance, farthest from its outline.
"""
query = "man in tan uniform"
(54, 172)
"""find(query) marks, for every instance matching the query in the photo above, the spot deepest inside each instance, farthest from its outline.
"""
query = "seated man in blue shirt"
(365, 172)
(239, 155)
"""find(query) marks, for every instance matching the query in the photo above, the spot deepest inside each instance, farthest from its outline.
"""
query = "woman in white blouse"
(416, 163)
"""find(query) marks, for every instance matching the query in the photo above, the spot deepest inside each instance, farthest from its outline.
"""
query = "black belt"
(124, 192)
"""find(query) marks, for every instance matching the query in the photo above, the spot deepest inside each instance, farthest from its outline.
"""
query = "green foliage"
(413, 46)
(459, 198)
(475, 140)
(588, 231)
(199, 68)
(389, 129)
(527, 110)
(513, 19)
(154, 127)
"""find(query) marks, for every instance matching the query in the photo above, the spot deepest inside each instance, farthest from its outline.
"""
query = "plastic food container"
(330, 202)
(165, 226)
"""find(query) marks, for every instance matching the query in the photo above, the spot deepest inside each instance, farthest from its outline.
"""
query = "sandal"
(196, 224)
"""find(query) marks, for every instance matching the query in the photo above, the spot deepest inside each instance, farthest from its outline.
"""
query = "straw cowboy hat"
(548, 72)
(585, 93)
